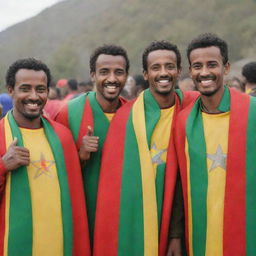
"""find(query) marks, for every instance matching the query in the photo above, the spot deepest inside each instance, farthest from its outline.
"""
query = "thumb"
(89, 131)
(14, 142)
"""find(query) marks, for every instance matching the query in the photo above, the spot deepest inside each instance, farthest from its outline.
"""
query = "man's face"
(207, 70)
(29, 95)
(162, 72)
(110, 76)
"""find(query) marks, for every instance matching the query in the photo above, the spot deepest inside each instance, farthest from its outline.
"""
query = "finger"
(14, 142)
(89, 131)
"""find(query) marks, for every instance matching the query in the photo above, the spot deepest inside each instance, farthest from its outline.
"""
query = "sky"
(15, 11)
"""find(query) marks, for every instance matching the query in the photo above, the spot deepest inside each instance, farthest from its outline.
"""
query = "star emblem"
(42, 166)
(157, 154)
(218, 159)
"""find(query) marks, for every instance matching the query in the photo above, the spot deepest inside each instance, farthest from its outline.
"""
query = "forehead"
(161, 56)
(211, 53)
(28, 76)
(110, 61)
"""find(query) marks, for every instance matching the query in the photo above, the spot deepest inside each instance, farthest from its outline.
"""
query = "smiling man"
(39, 173)
(89, 116)
(136, 186)
(216, 148)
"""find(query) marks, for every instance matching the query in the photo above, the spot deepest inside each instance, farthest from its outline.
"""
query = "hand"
(89, 144)
(174, 248)
(15, 156)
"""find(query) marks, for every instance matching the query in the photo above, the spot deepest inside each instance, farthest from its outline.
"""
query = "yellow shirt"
(109, 116)
(45, 195)
(161, 136)
(216, 136)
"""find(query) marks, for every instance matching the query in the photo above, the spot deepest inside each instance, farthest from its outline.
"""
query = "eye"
(171, 66)
(196, 66)
(103, 71)
(155, 68)
(212, 64)
(24, 89)
(119, 72)
(41, 89)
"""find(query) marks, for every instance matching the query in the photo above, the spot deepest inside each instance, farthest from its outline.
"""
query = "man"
(42, 207)
(249, 74)
(89, 115)
(136, 186)
(216, 149)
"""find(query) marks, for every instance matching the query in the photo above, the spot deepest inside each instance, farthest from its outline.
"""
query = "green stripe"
(198, 178)
(160, 177)
(251, 181)
(131, 222)
(92, 168)
(75, 114)
(152, 114)
(20, 213)
(180, 94)
(66, 210)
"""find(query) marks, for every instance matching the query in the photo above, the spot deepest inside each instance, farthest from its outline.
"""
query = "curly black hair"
(160, 45)
(113, 50)
(207, 40)
(249, 72)
(27, 63)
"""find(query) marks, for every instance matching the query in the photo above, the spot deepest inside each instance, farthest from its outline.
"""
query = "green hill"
(64, 35)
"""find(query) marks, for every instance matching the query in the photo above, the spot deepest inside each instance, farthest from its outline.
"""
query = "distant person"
(72, 90)
(85, 86)
(249, 74)
(62, 86)
(6, 102)
(216, 147)
(140, 84)
(128, 89)
(187, 84)
(89, 116)
(53, 104)
(41, 192)
(236, 83)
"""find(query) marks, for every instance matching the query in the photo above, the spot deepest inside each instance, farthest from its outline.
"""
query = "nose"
(112, 78)
(204, 71)
(33, 94)
(163, 71)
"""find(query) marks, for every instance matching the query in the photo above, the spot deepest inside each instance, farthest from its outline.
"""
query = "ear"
(145, 75)
(10, 89)
(226, 68)
(92, 74)
(179, 71)
(190, 73)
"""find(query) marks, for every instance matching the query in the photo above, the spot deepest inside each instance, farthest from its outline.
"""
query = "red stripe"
(62, 116)
(2, 194)
(81, 245)
(87, 120)
(235, 204)
(170, 181)
(180, 136)
(107, 213)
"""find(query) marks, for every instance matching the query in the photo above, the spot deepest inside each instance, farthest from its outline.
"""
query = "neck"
(27, 123)
(250, 86)
(210, 103)
(164, 100)
(108, 106)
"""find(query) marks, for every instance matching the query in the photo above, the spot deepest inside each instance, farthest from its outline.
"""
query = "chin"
(32, 116)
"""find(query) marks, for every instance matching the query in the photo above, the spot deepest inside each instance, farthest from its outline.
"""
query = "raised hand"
(15, 156)
(90, 144)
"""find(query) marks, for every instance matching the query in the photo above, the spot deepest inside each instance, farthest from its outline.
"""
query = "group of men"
(121, 176)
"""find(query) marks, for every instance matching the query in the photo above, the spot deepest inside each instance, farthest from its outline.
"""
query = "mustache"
(109, 83)
(208, 77)
(169, 78)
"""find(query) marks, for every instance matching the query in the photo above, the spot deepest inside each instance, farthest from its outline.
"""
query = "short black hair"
(27, 63)
(72, 84)
(207, 40)
(160, 45)
(113, 50)
(249, 72)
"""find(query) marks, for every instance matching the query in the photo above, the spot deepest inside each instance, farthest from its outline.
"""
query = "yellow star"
(42, 166)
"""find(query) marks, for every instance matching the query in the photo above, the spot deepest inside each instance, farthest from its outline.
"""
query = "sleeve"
(2, 177)
(177, 217)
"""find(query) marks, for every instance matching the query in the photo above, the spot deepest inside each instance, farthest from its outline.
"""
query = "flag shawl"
(77, 115)
(20, 225)
(134, 205)
(240, 192)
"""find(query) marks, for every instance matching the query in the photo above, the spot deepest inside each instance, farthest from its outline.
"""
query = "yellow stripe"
(190, 230)
(148, 180)
(8, 139)
(215, 136)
